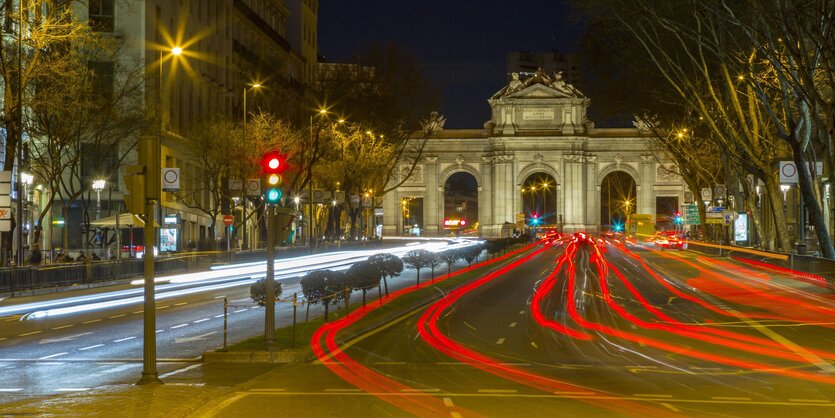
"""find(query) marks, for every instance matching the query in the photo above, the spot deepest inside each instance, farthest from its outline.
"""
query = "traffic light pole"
(148, 154)
(269, 279)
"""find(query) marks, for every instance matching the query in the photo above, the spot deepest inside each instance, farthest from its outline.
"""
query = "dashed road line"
(72, 389)
(497, 391)
(29, 333)
(123, 339)
(160, 330)
(11, 389)
(163, 307)
(241, 310)
(809, 400)
(521, 312)
(513, 325)
(448, 402)
(670, 407)
(91, 321)
(219, 316)
(64, 326)
(411, 390)
(91, 347)
(201, 320)
(181, 304)
(3, 338)
(117, 316)
(574, 393)
(137, 312)
(455, 415)
(730, 398)
(500, 341)
(179, 326)
(178, 371)
(51, 356)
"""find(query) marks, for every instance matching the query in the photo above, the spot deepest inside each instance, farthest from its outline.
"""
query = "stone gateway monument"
(538, 125)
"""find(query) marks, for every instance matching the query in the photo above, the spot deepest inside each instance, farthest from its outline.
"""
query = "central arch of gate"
(538, 125)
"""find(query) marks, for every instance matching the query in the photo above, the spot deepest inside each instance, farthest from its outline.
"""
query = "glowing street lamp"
(98, 186)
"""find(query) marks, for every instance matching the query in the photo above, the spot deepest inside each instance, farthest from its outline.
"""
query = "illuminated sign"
(170, 219)
(454, 223)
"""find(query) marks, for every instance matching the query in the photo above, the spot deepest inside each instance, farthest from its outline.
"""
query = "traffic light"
(534, 218)
(678, 217)
(272, 165)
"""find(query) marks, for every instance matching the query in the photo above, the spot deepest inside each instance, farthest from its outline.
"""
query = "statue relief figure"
(515, 83)
(561, 86)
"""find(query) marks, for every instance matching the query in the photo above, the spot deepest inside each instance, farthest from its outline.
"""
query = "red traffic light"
(273, 162)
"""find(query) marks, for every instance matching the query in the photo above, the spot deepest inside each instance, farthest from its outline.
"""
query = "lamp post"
(150, 152)
(243, 192)
(98, 186)
(310, 179)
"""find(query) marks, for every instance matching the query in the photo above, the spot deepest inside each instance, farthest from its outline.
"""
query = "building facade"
(538, 125)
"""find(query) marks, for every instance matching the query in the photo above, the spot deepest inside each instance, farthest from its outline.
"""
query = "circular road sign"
(789, 170)
(228, 219)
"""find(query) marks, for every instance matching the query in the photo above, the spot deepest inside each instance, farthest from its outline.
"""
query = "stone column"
(485, 198)
(432, 206)
(574, 200)
(392, 213)
(592, 219)
(503, 191)
(646, 194)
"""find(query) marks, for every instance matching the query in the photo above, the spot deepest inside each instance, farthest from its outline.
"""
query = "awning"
(126, 220)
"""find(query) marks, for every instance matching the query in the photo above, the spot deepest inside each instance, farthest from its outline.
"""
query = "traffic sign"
(707, 194)
(170, 179)
(691, 215)
(228, 220)
(253, 187)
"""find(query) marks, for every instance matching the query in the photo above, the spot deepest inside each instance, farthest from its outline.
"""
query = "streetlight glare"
(323, 111)
(98, 184)
(176, 51)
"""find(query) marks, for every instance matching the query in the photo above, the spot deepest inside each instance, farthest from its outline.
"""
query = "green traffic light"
(273, 195)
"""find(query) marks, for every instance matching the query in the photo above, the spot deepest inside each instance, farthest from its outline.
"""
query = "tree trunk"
(327, 302)
(363, 297)
(804, 174)
(775, 199)
(386, 284)
(347, 299)
(307, 312)
(418, 277)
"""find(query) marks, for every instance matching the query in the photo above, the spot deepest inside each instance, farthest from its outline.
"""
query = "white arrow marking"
(200, 337)
(64, 339)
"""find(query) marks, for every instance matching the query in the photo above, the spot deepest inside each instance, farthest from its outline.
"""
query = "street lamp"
(152, 155)
(310, 179)
(98, 186)
(246, 88)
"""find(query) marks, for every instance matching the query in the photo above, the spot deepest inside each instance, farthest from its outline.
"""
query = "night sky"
(462, 44)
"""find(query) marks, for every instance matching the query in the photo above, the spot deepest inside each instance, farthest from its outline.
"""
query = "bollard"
(295, 304)
(225, 328)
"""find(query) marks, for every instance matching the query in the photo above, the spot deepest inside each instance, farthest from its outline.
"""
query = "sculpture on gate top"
(555, 82)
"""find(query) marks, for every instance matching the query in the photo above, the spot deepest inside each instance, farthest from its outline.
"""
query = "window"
(102, 15)
(102, 79)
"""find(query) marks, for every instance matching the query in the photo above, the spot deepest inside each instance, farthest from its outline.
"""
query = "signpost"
(691, 215)
(5, 201)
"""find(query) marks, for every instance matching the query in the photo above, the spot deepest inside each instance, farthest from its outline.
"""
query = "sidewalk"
(168, 400)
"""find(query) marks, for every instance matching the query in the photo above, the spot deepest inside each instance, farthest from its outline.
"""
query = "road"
(579, 329)
(77, 341)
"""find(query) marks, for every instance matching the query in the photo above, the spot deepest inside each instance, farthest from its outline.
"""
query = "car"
(665, 241)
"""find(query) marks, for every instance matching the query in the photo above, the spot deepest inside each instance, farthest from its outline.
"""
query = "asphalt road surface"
(80, 340)
(579, 329)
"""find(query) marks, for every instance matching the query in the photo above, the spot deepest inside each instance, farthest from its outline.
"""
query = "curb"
(275, 357)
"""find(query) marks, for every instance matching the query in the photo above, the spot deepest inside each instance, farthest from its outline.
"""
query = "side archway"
(536, 168)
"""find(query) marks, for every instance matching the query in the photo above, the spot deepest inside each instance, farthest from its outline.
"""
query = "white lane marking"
(64, 326)
(117, 316)
(51, 356)
(497, 391)
(30, 333)
(219, 316)
(72, 389)
(574, 393)
(455, 415)
(651, 395)
(11, 390)
(240, 310)
(220, 297)
(91, 347)
(123, 339)
(730, 398)
(91, 321)
(670, 407)
(521, 312)
(63, 339)
(178, 371)
(809, 400)
(137, 312)
(160, 330)
(500, 341)
(201, 320)
(3, 338)
(448, 402)
(513, 325)
(410, 390)
(179, 326)
(110, 363)
(181, 304)
(163, 307)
